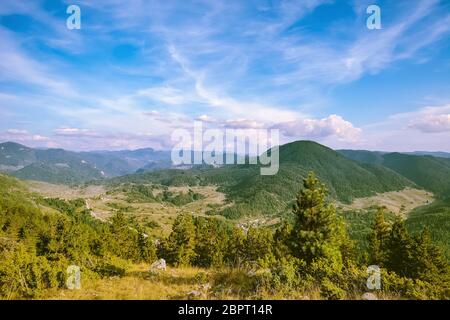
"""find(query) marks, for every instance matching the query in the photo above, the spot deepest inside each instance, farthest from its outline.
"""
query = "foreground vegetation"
(308, 255)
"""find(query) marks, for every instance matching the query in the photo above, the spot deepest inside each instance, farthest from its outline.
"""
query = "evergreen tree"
(146, 247)
(378, 238)
(281, 240)
(212, 241)
(258, 246)
(234, 254)
(399, 249)
(124, 238)
(429, 261)
(318, 232)
(178, 249)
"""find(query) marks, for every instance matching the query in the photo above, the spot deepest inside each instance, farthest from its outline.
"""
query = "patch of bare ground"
(399, 202)
(64, 191)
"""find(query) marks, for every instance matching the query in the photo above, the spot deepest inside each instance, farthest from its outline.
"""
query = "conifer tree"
(258, 245)
(179, 247)
(147, 250)
(211, 241)
(234, 254)
(429, 261)
(378, 239)
(399, 248)
(281, 240)
(318, 232)
(125, 242)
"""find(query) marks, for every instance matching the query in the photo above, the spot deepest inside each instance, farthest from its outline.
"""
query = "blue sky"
(137, 70)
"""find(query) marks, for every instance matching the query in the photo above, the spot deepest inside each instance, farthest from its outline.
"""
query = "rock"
(158, 265)
(369, 296)
(194, 294)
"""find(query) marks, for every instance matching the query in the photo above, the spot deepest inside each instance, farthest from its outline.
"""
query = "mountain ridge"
(57, 165)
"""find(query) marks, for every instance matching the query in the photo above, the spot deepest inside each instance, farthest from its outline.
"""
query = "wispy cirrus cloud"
(146, 67)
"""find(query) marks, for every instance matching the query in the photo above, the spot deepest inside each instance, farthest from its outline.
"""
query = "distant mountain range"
(61, 166)
(348, 174)
(430, 153)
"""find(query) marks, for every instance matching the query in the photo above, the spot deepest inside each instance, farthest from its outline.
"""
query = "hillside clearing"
(399, 202)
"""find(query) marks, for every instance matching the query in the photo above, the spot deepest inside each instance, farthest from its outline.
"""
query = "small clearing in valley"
(399, 202)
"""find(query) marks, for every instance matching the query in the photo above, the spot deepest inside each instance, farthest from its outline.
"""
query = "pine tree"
(399, 248)
(147, 250)
(179, 247)
(378, 238)
(281, 240)
(124, 238)
(318, 232)
(258, 245)
(234, 253)
(211, 242)
(429, 261)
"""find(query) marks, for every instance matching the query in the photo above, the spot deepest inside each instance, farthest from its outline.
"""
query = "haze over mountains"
(61, 166)
(348, 174)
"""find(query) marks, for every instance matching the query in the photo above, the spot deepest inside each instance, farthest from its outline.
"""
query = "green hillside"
(435, 216)
(40, 237)
(426, 171)
(14, 156)
(429, 172)
(372, 157)
(58, 173)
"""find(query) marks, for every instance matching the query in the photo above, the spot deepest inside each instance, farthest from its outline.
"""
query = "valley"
(225, 232)
(104, 201)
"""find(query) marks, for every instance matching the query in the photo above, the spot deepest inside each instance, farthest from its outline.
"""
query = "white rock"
(369, 296)
(158, 265)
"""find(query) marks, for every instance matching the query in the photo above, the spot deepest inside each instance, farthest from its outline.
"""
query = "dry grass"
(137, 284)
(399, 202)
(64, 191)
(173, 283)
(182, 284)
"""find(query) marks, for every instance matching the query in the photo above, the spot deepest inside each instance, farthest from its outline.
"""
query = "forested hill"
(429, 172)
(253, 193)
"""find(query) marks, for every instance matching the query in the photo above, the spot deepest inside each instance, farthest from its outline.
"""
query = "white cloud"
(332, 125)
(206, 118)
(16, 131)
(423, 129)
(75, 132)
(22, 136)
(205, 64)
(431, 119)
